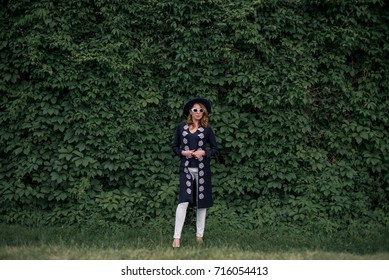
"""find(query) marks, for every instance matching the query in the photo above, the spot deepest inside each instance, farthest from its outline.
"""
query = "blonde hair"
(203, 121)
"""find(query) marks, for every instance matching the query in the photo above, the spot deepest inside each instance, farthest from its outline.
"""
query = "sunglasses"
(195, 110)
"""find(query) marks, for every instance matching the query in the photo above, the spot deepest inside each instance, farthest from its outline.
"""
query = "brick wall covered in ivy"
(91, 92)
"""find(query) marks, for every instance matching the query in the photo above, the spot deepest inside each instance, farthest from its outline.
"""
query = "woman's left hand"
(198, 154)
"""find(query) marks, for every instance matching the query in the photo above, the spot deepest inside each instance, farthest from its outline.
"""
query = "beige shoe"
(199, 240)
(176, 243)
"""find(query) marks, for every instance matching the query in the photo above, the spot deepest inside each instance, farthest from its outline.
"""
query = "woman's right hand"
(187, 153)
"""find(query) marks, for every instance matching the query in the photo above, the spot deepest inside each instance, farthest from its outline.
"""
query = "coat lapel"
(200, 194)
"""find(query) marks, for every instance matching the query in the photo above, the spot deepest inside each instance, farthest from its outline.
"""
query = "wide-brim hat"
(203, 101)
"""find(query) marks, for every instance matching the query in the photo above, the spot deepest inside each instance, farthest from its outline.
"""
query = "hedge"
(91, 93)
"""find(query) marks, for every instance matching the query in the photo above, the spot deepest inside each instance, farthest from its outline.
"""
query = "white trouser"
(181, 213)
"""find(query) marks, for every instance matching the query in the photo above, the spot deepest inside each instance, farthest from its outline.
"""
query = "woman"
(190, 144)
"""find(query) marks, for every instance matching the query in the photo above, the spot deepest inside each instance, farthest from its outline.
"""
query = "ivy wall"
(91, 93)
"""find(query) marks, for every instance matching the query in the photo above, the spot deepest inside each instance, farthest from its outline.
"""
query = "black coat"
(196, 195)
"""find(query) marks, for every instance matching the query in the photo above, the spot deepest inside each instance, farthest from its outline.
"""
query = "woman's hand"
(198, 154)
(188, 153)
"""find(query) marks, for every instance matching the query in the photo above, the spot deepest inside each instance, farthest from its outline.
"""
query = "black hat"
(190, 103)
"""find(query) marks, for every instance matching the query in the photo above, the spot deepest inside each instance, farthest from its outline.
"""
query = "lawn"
(154, 243)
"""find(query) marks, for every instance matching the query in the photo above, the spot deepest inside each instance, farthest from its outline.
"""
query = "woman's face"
(197, 112)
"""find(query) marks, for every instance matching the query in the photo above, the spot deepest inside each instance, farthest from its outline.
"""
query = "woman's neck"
(194, 126)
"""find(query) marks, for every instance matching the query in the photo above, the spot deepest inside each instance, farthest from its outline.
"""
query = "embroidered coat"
(200, 195)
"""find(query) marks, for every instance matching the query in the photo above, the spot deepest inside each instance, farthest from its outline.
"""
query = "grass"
(154, 243)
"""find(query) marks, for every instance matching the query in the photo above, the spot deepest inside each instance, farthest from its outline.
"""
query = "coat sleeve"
(212, 150)
(176, 144)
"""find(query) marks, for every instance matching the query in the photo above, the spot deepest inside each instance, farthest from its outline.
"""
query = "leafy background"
(91, 92)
